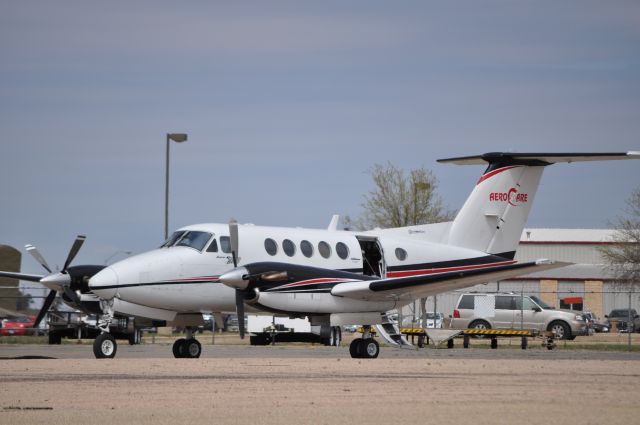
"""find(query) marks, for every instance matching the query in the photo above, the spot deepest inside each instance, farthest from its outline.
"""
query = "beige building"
(587, 284)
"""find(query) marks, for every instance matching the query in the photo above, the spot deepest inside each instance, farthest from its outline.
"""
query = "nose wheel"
(105, 346)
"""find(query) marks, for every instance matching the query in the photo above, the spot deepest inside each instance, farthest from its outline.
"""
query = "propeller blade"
(39, 258)
(233, 233)
(45, 307)
(240, 311)
(74, 251)
(73, 296)
(22, 276)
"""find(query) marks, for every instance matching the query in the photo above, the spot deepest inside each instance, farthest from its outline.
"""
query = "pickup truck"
(621, 315)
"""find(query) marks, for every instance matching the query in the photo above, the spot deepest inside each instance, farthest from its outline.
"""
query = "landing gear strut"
(187, 348)
(365, 347)
(105, 346)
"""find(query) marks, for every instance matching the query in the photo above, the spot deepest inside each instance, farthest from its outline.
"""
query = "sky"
(287, 104)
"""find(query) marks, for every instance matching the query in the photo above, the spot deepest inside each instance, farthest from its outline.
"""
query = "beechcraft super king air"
(330, 276)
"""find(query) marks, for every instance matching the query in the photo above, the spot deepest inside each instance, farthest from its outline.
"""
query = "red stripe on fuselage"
(494, 172)
(314, 282)
(445, 270)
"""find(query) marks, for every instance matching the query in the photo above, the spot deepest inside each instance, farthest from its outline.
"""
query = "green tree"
(623, 256)
(400, 199)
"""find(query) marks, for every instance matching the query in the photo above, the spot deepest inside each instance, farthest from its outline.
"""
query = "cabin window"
(225, 244)
(324, 249)
(270, 246)
(306, 248)
(195, 240)
(288, 247)
(213, 246)
(401, 254)
(342, 250)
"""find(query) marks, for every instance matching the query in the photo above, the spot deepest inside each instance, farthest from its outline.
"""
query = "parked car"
(594, 323)
(621, 315)
(18, 326)
(514, 311)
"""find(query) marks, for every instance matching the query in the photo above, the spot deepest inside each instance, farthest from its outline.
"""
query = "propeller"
(60, 280)
(234, 239)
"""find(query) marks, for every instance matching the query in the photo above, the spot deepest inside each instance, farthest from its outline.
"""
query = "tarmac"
(311, 384)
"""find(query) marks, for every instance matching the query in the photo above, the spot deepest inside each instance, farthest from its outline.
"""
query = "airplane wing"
(22, 276)
(410, 288)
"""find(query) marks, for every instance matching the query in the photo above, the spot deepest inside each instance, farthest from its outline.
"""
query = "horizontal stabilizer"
(537, 158)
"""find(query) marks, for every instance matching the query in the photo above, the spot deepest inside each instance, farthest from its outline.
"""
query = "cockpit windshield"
(173, 238)
(194, 239)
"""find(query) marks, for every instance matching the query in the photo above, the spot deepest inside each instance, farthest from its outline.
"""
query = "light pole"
(178, 138)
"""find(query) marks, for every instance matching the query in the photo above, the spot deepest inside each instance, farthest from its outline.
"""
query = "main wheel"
(560, 329)
(337, 339)
(370, 348)
(179, 348)
(105, 346)
(355, 348)
(192, 348)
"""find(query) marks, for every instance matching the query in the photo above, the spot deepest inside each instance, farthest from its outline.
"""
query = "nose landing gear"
(105, 346)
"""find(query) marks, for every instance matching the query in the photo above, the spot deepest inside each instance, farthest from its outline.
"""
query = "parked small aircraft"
(333, 277)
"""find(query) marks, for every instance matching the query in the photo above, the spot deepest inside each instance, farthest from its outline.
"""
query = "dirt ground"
(280, 391)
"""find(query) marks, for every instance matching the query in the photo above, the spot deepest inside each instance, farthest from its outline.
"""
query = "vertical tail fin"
(492, 218)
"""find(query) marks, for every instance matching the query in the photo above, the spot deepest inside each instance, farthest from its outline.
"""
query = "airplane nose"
(104, 283)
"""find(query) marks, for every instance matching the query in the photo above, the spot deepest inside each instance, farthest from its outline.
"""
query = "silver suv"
(515, 311)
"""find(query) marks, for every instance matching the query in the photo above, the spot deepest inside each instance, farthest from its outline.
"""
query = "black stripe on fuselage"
(407, 282)
(132, 285)
(475, 261)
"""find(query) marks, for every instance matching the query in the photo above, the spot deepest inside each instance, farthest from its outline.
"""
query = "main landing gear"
(187, 348)
(365, 347)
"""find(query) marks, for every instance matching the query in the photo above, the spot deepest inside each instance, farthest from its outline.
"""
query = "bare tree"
(623, 257)
(400, 200)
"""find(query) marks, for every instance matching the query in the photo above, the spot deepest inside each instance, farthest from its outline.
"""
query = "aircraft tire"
(192, 348)
(179, 348)
(105, 346)
(337, 338)
(369, 348)
(355, 348)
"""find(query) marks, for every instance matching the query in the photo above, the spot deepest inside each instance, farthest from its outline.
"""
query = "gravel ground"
(316, 385)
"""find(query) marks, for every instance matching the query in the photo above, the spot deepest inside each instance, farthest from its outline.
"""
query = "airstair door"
(373, 263)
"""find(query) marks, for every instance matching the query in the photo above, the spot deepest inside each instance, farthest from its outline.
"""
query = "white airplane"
(332, 277)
